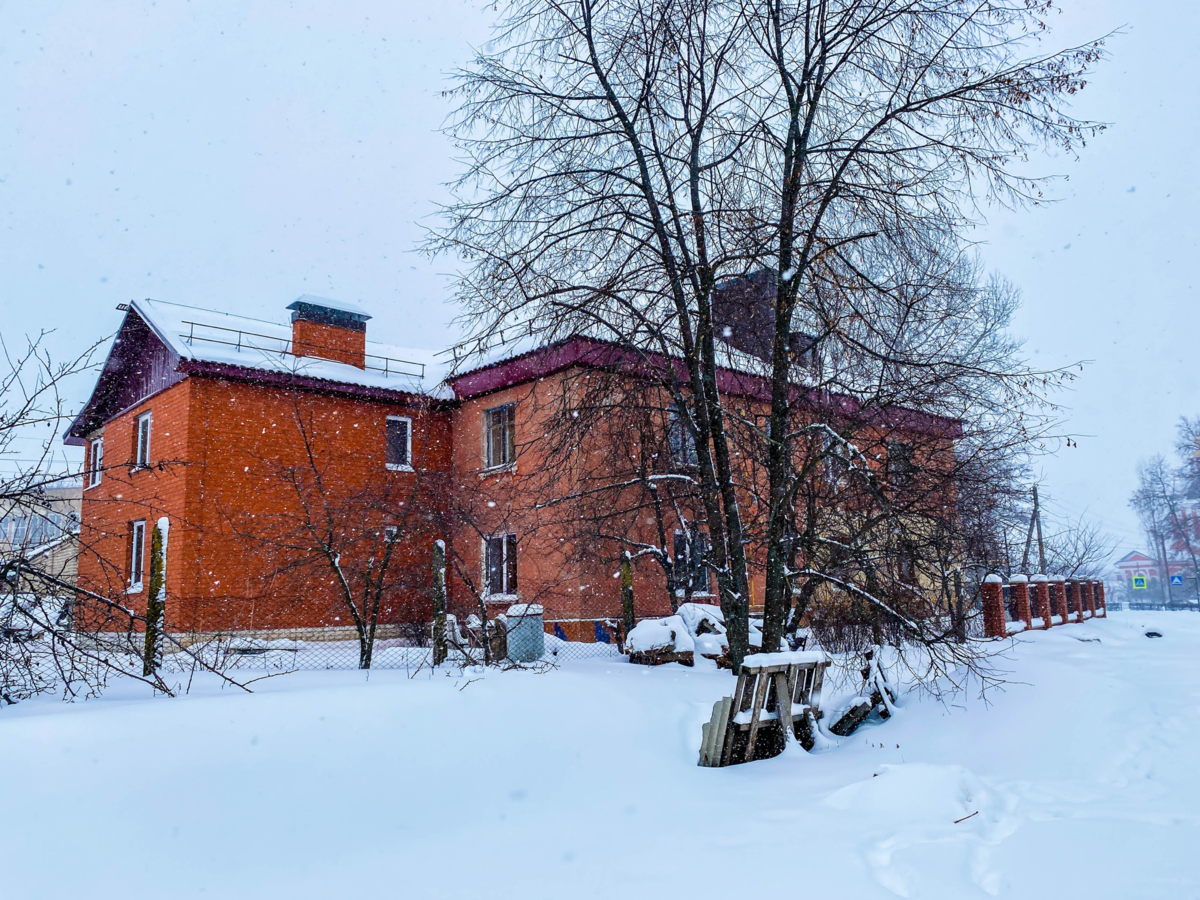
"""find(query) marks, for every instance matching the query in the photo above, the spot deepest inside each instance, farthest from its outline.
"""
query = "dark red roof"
(596, 354)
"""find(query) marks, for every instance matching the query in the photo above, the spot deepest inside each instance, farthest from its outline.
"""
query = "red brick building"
(258, 440)
(207, 418)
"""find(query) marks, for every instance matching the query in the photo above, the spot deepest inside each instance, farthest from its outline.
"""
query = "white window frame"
(141, 447)
(400, 467)
(95, 462)
(507, 539)
(510, 439)
(681, 443)
(137, 556)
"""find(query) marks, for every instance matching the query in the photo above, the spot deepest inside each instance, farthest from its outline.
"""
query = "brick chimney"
(743, 312)
(329, 329)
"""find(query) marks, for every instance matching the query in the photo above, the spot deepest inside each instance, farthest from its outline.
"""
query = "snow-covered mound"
(1077, 780)
(695, 628)
(660, 634)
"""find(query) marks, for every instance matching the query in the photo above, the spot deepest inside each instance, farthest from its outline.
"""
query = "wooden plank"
(707, 743)
(723, 730)
(739, 695)
(760, 693)
(794, 676)
(736, 703)
(803, 680)
(814, 696)
(783, 703)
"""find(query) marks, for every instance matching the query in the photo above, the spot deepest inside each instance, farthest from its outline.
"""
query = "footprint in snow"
(925, 818)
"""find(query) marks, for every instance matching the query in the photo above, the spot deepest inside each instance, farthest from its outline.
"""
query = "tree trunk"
(960, 610)
(155, 599)
(627, 591)
(439, 602)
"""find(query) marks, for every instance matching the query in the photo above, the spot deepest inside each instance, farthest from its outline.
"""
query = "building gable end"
(139, 364)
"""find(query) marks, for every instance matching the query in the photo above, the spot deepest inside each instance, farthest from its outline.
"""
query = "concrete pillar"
(992, 594)
(1060, 598)
(1019, 585)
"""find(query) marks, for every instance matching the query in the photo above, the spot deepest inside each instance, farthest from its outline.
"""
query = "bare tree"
(629, 157)
(358, 540)
(1078, 549)
(54, 634)
(621, 477)
(1161, 504)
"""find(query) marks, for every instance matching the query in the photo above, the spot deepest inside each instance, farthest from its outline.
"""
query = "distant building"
(1137, 565)
(46, 534)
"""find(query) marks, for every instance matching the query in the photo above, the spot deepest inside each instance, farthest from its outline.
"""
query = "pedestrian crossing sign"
(1139, 582)
(1176, 581)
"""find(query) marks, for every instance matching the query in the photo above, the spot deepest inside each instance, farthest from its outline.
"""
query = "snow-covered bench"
(783, 688)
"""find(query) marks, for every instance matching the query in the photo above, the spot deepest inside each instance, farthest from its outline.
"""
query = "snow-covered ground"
(583, 783)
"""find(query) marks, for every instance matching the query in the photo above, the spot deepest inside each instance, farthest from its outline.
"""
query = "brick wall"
(576, 583)
(329, 342)
(227, 455)
(125, 495)
(232, 472)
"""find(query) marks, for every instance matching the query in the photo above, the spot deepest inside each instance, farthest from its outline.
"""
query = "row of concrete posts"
(1040, 601)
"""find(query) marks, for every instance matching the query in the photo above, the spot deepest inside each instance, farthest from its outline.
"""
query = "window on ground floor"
(500, 565)
(137, 554)
(691, 563)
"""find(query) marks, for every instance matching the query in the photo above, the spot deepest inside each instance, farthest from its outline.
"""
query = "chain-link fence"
(316, 649)
(43, 650)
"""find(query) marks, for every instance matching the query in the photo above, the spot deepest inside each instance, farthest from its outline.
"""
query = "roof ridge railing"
(389, 365)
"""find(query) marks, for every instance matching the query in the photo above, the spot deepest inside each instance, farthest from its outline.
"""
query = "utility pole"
(1162, 544)
(1029, 536)
(1037, 517)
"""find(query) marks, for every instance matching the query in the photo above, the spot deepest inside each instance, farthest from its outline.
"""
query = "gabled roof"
(1136, 556)
(212, 336)
(160, 343)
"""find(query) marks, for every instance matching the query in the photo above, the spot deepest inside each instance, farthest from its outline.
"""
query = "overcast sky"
(237, 154)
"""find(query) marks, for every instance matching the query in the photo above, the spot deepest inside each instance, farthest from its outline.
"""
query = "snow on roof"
(218, 337)
(1133, 555)
(339, 305)
(515, 348)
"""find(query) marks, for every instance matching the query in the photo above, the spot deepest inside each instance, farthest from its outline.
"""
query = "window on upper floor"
(500, 565)
(141, 437)
(137, 554)
(682, 443)
(900, 468)
(499, 436)
(40, 528)
(13, 529)
(399, 443)
(907, 563)
(95, 468)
